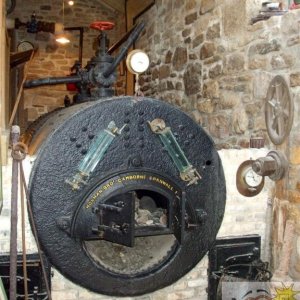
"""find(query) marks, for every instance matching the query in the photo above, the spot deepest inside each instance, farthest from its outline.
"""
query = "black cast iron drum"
(138, 172)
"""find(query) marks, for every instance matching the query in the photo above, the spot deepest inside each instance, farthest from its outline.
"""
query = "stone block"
(206, 6)
(219, 126)
(264, 47)
(282, 61)
(190, 4)
(207, 50)
(258, 62)
(261, 84)
(211, 89)
(215, 71)
(186, 32)
(191, 79)
(179, 58)
(198, 40)
(294, 40)
(234, 63)
(189, 19)
(164, 72)
(213, 59)
(205, 106)
(213, 32)
(294, 196)
(168, 57)
(240, 120)
(229, 99)
(295, 79)
(295, 155)
(289, 23)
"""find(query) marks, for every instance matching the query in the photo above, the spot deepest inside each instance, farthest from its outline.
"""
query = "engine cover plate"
(154, 261)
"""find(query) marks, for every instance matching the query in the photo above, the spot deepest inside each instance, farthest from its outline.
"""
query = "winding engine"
(128, 193)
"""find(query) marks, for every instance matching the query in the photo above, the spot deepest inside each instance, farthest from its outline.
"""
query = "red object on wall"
(71, 87)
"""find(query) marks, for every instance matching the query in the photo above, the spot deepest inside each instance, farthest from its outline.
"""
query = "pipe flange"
(282, 165)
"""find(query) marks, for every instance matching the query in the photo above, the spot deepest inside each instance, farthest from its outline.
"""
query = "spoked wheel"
(279, 110)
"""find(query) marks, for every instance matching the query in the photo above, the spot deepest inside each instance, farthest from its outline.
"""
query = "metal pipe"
(132, 38)
(15, 134)
(80, 40)
(116, 45)
(24, 241)
(51, 81)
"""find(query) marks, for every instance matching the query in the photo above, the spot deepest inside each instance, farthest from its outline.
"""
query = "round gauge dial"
(24, 46)
(248, 182)
(137, 61)
(251, 178)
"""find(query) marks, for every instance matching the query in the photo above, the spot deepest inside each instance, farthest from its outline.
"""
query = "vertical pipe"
(80, 44)
(23, 239)
(15, 134)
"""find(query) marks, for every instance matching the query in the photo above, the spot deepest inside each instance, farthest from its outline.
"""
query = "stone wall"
(205, 58)
(53, 59)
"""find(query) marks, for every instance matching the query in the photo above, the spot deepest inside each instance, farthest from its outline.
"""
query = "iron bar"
(15, 135)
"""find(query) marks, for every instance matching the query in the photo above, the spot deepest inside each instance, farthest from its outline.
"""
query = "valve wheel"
(279, 110)
(102, 25)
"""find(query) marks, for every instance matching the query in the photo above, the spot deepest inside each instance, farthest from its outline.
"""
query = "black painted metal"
(62, 213)
(36, 282)
(229, 251)
(100, 71)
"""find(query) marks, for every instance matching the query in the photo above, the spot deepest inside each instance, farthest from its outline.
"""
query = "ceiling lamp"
(71, 3)
(61, 36)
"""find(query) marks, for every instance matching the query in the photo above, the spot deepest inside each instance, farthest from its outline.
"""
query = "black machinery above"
(97, 78)
(128, 193)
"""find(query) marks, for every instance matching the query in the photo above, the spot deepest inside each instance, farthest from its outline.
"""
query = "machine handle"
(102, 25)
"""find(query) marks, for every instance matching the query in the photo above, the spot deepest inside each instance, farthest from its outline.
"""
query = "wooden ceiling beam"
(118, 5)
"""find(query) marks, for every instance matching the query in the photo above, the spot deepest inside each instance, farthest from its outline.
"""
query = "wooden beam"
(118, 5)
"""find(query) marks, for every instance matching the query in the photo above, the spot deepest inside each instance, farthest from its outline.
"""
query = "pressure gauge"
(25, 46)
(137, 61)
(252, 179)
(248, 182)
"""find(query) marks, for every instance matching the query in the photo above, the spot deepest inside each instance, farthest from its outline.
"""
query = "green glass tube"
(95, 154)
(174, 150)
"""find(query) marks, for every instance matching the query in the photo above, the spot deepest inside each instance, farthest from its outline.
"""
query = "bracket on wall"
(279, 110)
